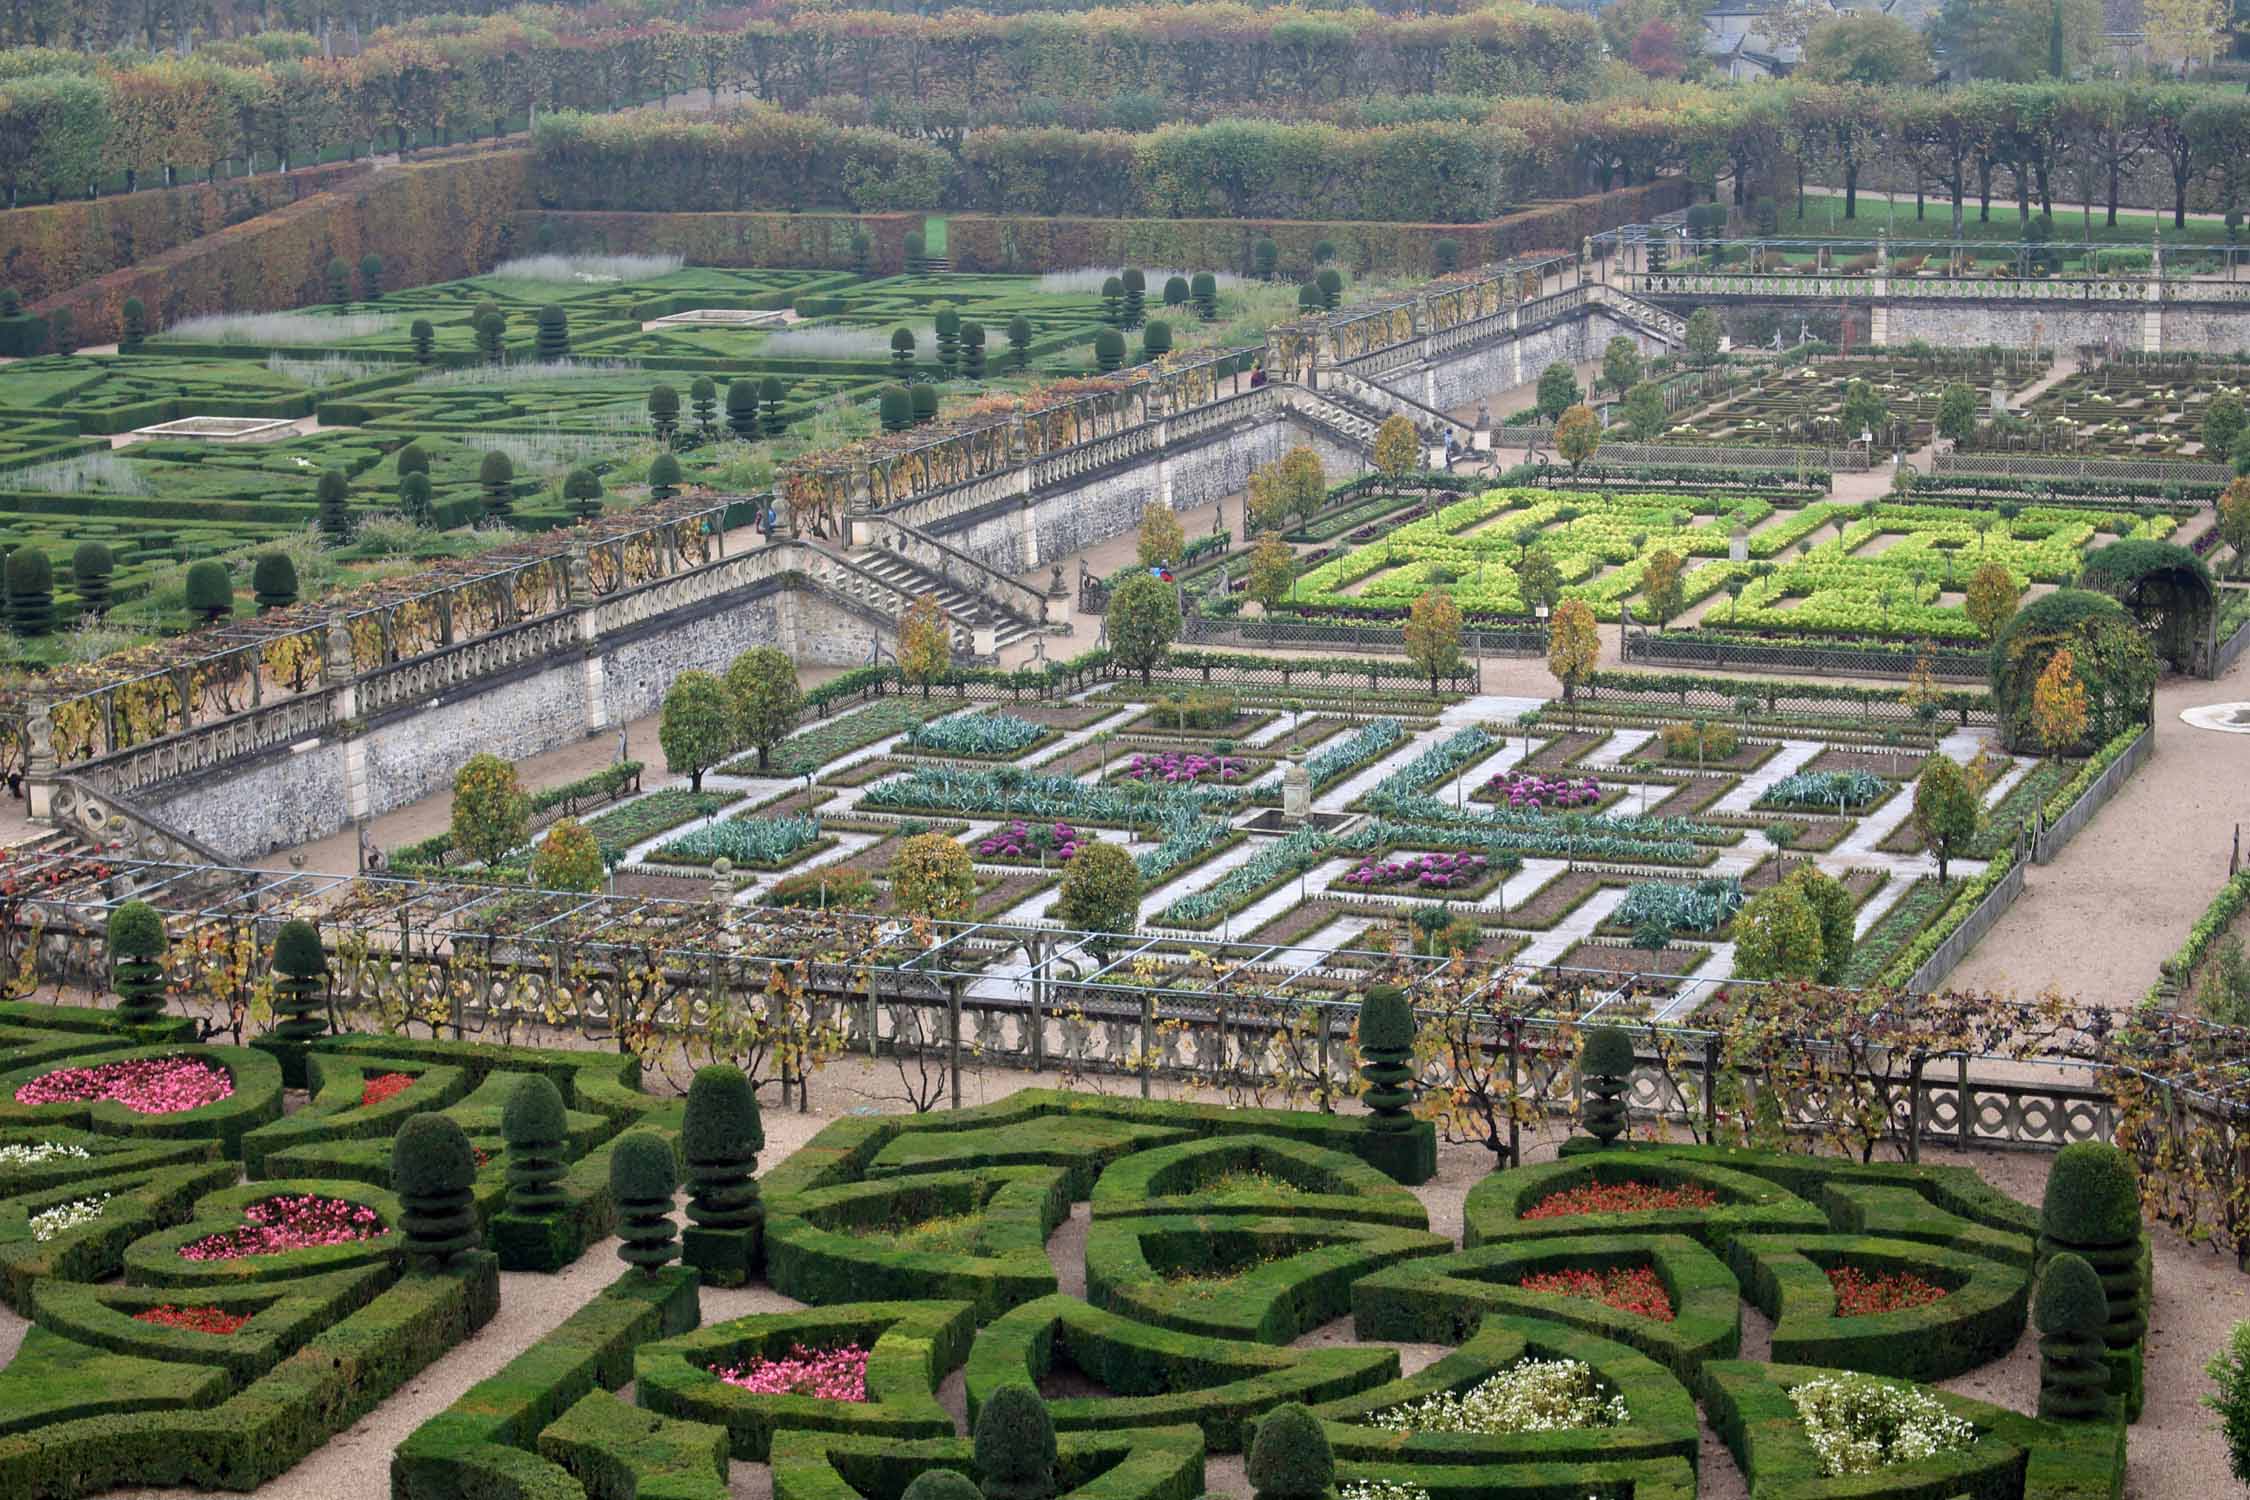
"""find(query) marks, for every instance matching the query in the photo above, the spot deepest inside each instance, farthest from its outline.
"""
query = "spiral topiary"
(434, 1172)
(941, 1484)
(136, 946)
(642, 1179)
(1290, 1458)
(1386, 1044)
(2092, 1209)
(298, 958)
(1015, 1445)
(1605, 1067)
(2071, 1312)
(721, 1137)
(537, 1133)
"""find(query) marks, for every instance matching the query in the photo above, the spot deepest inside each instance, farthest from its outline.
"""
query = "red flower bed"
(1619, 1198)
(293, 1221)
(195, 1319)
(1859, 1295)
(388, 1086)
(144, 1085)
(1632, 1289)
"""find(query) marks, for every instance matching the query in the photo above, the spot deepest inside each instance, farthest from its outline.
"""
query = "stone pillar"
(340, 675)
(39, 763)
(1027, 536)
(580, 567)
(1296, 791)
(2152, 310)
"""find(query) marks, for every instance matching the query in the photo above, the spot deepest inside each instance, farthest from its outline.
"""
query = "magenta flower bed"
(1534, 792)
(1186, 766)
(830, 1374)
(293, 1221)
(145, 1085)
(1428, 872)
(1021, 840)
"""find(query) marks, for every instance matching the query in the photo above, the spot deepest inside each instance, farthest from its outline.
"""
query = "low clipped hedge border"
(155, 1260)
(138, 1204)
(256, 1100)
(1150, 1463)
(267, 1427)
(817, 1251)
(108, 1156)
(1748, 1406)
(1297, 1277)
(1329, 1184)
(599, 1083)
(283, 1318)
(615, 1449)
(911, 1346)
(334, 1083)
(844, 1150)
(1445, 1299)
(1979, 1319)
(1662, 1412)
(1494, 1209)
(1157, 1377)
(479, 1448)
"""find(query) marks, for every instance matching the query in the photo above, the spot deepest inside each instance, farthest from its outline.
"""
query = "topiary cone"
(721, 1137)
(1015, 1445)
(2092, 1209)
(1605, 1069)
(537, 1133)
(2071, 1311)
(642, 1179)
(298, 958)
(1290, 1458)
(136, 948)
(434, 1172)
(1386, 1045)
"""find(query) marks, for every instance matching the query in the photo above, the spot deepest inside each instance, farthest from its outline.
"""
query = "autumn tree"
(1577, 435)
(1833, 907)
(491, 814)
(2058, 704)
(1398, 450)
(1144, 620)
(763, 696)
(1433, 636)
(931, 876)
(1273, 568)
(2234, 523)
(1621, 363)
(925, 642)
(1162, 540)
(1574, 645)
(1293, 486)
(1945, 809)
(1662, 587)
(1101, 890)
(1990, 600)
(1777, 935)
(697, 728)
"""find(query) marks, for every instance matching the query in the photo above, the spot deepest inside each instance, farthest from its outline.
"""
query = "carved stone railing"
(1667, 326)
(1005, 596)
(1353, 386)
(438, 671)
(210, 745)
(117, 828)
(1876, 286)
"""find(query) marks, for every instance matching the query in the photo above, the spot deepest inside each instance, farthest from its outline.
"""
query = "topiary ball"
(723, 1123)
(2070, 1299)
(1015, 1445)
(1386, 1021)
(1606, 1052)
(941, 1484)
(534, 1112)
(297, 951)
(136, 930)
(2092, 1197)
(1290, 1459)
(434, 1171)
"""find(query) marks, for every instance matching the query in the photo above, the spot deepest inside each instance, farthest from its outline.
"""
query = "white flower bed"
(66, 1216)
(1532, 1395)
(41, 1152)
(1859, 1424)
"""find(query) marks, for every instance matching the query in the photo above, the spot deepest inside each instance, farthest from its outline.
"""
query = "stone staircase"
(1667, 328)
(960, 606)
(1349, 423)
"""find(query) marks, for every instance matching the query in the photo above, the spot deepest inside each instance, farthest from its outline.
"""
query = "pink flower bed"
(1534, 792)
(1427, 872)
(1186, 766)
(146, 1085)
(830, 1374)
(1021, 840)
(291, 1221)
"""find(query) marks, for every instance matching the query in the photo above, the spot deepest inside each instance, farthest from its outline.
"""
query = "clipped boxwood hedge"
(1157, 1377)
(480, 1447)
(1495, 1208)
(600, 1083)
(911, 1347)
(833, 1245)
(618, 1450)
(1316, 1183)
(1979, 1319)
(155, 1260)
(1273, 1279)
(107, 1156)
(256, 1100)
(54, 1379)
(137, 1204)
(283, 1318)
(1149, 1463)
(334, 1112)
(1444, 1300)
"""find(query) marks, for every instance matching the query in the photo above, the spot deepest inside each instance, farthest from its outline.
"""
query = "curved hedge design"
(256, 1100)
(155, 1261)
(1158, 1377)
(1978, 1320)
(1314, 1182)
(911, 1346)
(1149, 1463)
(1746, 1204)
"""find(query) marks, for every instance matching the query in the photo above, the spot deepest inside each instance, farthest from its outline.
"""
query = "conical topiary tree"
(1386, 1046)
(133, 330)
(553, 340)
(424, 339)
(434, 1171)
(972, 350)
(948, 340)
(663, 477)
(642, 1180)
(2071, 1312)
(1204, 291)
(1290, 1458)
(721, 1137)
(298, 1009)
(1014, 1445)
(894, 408)
(274, 577)
(1109, 350)
(583, 489)
(533, 1232)
(31, 592)
(496, 476)
(742, 407)
(91, 568)
(136, 970)
(772, 394)
(414, 498)
(703, 396)
(924, 400)
(334, 494)
(2092, 1209)
(1136, 296)
(664, 412)
(210, 592)
(1605, 1068)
